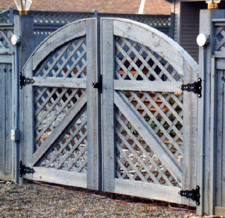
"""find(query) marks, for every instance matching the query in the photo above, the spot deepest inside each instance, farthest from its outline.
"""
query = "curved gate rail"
(132, 132)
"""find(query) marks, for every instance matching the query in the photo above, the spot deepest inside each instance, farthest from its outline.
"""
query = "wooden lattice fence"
(111, 117)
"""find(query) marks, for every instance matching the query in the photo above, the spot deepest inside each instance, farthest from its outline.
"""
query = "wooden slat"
(223, 144)
(220, 211)
(108, 105)
(6, 59)
(60, 82)
(93, 119)
(57, 131)
(2, 121)
(130, 85)
(148, 190)
(145, 131)
(59, 177)
(28, 119)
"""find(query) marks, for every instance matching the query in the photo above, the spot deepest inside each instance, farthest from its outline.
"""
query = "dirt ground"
(42, 200)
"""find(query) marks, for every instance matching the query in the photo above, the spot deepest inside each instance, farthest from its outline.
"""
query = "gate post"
(23, 28)
(206, 116)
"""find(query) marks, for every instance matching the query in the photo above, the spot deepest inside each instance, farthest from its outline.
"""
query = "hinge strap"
(25, 170)
(25, 81)
(193, 194)
(195, 87)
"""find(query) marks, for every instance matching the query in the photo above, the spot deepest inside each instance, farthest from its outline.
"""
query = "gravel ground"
(33, 200)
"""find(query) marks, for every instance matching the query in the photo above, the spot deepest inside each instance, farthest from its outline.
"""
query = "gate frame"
(185, 66)
(182, 62)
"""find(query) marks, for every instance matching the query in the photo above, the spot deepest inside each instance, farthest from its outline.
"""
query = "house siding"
(189, 26)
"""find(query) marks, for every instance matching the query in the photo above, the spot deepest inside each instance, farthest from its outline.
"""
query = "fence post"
(23, 27)
(206, 105)
(172, 21)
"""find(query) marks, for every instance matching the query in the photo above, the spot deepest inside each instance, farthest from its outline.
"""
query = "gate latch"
(195, 87)
(25, 81)
(25, 170)
(98, 85)
(192, 194)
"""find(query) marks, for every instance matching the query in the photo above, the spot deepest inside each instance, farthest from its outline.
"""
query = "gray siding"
(189, 27)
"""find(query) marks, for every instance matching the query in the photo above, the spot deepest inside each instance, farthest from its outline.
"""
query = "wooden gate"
(103, 109)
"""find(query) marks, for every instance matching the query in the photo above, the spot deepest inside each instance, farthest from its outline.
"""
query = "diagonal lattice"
(68, 61)
(135, 158)
(163, 112)
(51, 106)
(137, 62)
(5, 43)
(69, 152)
(220, 39)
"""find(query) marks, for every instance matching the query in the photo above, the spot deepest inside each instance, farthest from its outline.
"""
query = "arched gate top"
(141, 33)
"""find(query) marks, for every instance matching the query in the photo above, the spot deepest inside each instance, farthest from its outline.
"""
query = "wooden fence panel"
(6, 68)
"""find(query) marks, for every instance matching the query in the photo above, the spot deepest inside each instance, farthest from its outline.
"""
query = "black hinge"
(25, 170)
(25, 81)
(195, 87)
(98, 85)
(193, 194)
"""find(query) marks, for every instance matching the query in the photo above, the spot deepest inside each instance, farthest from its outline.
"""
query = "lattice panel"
(163, 113)
(137, 62)
(135, 159)
(51, 107)
(151, 20)
(68, 61)
(220, 38)
(5, 43)
(69, 152)
(4, 17)
(58, 18)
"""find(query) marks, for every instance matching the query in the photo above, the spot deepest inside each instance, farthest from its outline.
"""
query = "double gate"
(103, 109)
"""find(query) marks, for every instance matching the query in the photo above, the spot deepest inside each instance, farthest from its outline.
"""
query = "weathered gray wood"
(156, 41)
(220, 211)
(60, 177)
(209, 105)
(220, 63)
(145, 131)
(203, 113)
(223, 144)
(93, 108)
(65, 34)
(219, 111)
(6, 59)
(108, 105)
(190, 116)
(58, 130)
(212, 135)
(148, 190)
(150, 86)
(2, 120)
(60, 82)
(27, 132)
